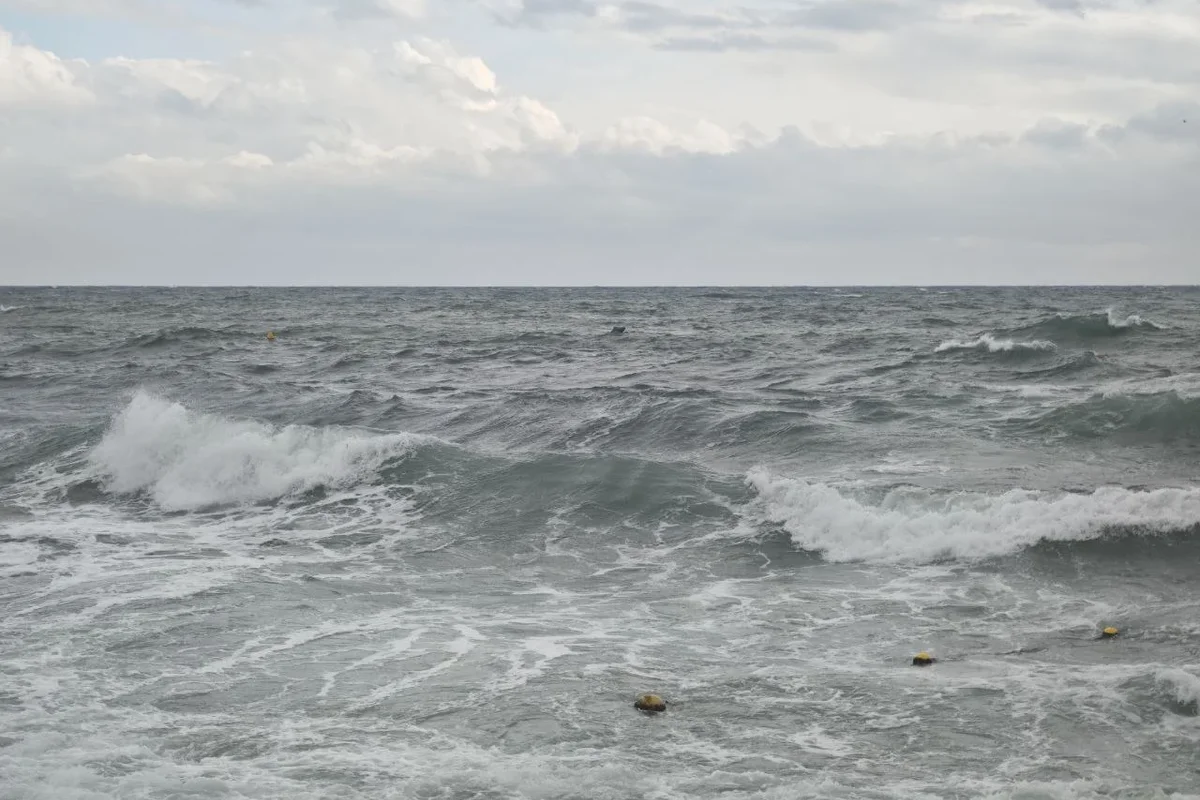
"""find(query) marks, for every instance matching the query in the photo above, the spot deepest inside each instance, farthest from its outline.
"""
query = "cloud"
(859, 15)
(665, 206)
(1058, 134)
(74, 7)
(644, 134)
(33, 77)
(1074, 6)
(767, 142)
(201, 132)
(746, 42)
(644, 16)
(379, 9)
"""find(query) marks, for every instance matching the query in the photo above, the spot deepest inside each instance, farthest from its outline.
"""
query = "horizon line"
(601, 286)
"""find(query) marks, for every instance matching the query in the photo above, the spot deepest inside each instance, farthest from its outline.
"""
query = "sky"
(599, 142)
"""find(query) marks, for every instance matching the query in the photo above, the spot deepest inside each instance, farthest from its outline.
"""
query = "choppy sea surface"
(433, 543)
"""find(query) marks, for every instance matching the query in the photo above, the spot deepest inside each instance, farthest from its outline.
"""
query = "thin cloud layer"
(588, 142)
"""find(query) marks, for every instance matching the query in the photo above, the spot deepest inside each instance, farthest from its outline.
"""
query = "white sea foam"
(915, 525)
(186, 460)
(991, 344)
(1184, 687)
(1131, 321)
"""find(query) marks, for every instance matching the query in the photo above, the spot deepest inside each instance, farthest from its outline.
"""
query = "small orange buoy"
(923, 659)
(270, 336)
(651, 703)
(1109, 632)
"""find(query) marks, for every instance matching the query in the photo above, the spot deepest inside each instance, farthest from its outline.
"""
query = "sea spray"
(186, 460)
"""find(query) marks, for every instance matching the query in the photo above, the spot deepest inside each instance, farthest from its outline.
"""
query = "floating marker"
(923, 659)
(270, 336)
(651, 703)
(1109, 632)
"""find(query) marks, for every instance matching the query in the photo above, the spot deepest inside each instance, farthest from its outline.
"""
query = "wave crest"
(186, 460)
(1087, 326)
(916, 525)
(988, 343)
(1162, 416)
(1182, 688)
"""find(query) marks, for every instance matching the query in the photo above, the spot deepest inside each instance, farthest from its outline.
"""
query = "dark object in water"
(650, 703)
(618, 329)
(923, 660)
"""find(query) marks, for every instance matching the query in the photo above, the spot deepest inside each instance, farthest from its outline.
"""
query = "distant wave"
(1079, 362)
(939, 322)
(991, 344)
(185, 460)
(1087, 326)
(6, 309)
(1161, 416)
(177, 335)
(917, 525)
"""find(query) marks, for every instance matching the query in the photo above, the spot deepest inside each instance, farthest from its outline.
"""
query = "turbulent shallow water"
(433, 543)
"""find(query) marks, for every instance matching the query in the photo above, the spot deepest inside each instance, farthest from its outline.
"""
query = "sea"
(434, 543)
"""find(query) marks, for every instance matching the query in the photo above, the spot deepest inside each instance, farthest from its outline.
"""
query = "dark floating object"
(650, 703)
(618, 329)
(923, 659)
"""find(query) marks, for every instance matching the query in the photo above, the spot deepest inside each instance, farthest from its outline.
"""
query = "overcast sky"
(599, 141)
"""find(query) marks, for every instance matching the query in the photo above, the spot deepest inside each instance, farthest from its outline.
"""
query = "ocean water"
(432, 544)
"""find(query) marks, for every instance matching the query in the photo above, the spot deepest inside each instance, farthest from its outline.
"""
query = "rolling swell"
(789, 382)
(1086, 327)
(1159, 417)
(182, 336)
(1076, 364)
(187, 461)
(182, 460)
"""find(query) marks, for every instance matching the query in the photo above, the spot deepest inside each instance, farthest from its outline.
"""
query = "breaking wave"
(990, 344)
(184, 460)
(1182, 688)
(916, 525)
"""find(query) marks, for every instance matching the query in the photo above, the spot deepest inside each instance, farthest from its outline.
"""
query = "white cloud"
(1000, 139)
(302, 111)
(651, 135)
(438, 63)
(33, 77)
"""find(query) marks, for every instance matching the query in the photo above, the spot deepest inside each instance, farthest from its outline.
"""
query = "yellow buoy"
(923, 659)
(651, 703)
(270, 336)
(1110, 632)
